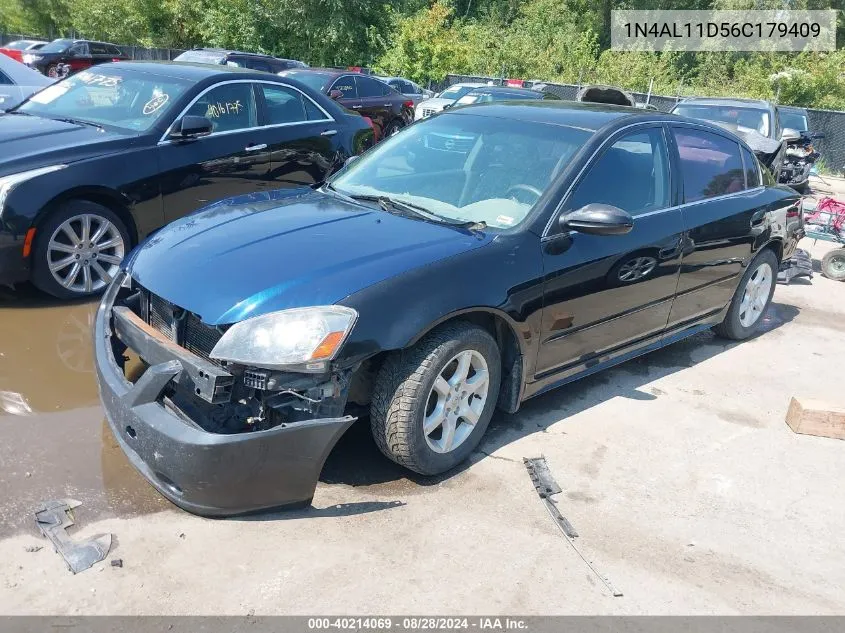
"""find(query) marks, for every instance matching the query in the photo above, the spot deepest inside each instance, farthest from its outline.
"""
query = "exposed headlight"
(7, 183)
(299, 339)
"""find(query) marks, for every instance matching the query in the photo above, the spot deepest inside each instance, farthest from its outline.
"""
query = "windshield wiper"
(77, 122)
(391, 205)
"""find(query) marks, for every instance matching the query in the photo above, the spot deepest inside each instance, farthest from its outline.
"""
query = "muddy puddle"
(54, 442)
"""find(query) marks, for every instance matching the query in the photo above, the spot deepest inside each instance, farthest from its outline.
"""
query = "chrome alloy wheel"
(636, 268)
(456, 401)
(756, 295)
(84, 253)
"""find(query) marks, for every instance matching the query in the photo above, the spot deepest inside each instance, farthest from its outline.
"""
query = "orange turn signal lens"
(27, 241)
(327, 346)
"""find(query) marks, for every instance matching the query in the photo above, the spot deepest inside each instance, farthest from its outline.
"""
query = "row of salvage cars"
(469, 262)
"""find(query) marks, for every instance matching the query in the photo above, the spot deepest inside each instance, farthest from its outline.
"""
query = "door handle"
(387, 105)
(255, 148)
(357, 107)
(328, 132)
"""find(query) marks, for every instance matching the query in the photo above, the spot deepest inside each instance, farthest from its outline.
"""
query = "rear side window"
(284, 105)
(347, 86)
(637, 165)
(752, 173)
(371, 88)
(710, 164)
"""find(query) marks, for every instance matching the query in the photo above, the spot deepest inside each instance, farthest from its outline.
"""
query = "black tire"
(402, 390)
(731, 327)
(833, 264)
(392, 128)
(41, 275)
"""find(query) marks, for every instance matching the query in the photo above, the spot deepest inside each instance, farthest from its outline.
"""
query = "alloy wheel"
(756, 295)
(636, 268)
(84, 253)
(456, 401)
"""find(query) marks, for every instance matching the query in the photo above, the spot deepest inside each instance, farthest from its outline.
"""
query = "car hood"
(263, 252)
(28, 142)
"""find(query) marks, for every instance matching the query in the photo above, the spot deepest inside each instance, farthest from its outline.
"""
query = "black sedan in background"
(388, 109)
(78, 54)
(94, 163)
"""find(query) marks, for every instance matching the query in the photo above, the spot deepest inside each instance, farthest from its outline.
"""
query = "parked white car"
(17, 82)
(445, 98)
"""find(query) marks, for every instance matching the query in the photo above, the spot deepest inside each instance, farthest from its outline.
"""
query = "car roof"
(792, 109)
(585, 115)
(189, 70)
(229, 51)
(468, 84)
(736, 102)
(509, 90)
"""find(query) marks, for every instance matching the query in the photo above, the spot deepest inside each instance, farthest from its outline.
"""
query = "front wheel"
(751, 299)
(78, 250)
(833, 264)
(432, 403)
(393, 127)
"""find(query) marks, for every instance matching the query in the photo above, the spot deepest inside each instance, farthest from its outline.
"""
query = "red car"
(16, 49)
(388, 109)
(78, 54)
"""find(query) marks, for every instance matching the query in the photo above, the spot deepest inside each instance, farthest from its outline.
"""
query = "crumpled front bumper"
(204, 473)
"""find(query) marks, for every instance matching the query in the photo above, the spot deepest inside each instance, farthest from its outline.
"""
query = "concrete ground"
(688, 490)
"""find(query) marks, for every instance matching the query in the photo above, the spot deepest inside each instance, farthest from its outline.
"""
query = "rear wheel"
(78, 250)
(433, 402)
(833, 264)
(53, 71)
(751, 299)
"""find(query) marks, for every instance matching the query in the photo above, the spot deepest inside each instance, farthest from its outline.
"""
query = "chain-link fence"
(831, 123)
(132, 52)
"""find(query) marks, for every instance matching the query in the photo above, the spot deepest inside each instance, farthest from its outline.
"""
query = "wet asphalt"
(55, 442)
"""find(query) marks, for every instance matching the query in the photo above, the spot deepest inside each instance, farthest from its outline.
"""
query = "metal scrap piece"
(546, 486)
(53, 518)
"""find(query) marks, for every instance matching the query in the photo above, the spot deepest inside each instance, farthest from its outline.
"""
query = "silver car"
(410, 89)
(445, 98)
(17, 82)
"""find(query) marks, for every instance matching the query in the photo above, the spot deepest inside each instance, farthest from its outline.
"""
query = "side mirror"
(189, 127)
(350, 160)
(789, 135)
(598, 219)
(336, 94)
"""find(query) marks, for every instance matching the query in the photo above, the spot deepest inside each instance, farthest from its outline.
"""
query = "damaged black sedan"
(468, 263)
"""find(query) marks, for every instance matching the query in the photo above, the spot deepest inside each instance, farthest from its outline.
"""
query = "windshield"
(794, 120)
(466, 167)
(56, 46)
(455, 92)
(315, 81)
(123, 99)
(746, 119)
(201, 57)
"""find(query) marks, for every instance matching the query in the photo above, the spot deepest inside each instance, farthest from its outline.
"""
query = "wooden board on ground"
(812, 417)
